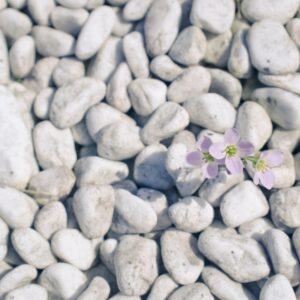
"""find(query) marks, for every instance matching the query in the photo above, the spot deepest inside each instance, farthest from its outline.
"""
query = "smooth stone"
(136, 265)
(279, 248)
(211, 16)
(149, 168)
(22, 56)
(120, 296)
(107, 252)
(192, 292)
(42, 103)
(258, 10)
(119, 141)
(50, 218)
(117, 94)
(41, 76)
(240, 257)
(52, 42)
(187, 178)
(17, 277)
(192, 82)
(70, 246)
(52, 184)
(180, 256)
(68, 70)
(218, 49)
(246, 199)
(256, 229)
(146, 95)
(93, 207)
(189, 47)
(191, 214)
(95, 31)
(132, 214)
(285, 207)
(285, 140)
(117, 2)
(30, 291)
(135, 54)
(4, 60)
(92, 4)
(72, 100)
(121, 26)
(297, 165)
(126, 184)
(239, 64)
(68, 20)
(63, 280)
(283, 107)
(212, 190)
(159, 203)
(135, 10)
(211, 111)
(17, 163)
(98, 289)
(14, 24)
(40, 10)
(101, 115)
(54, 147)
(254, 124)
(164, 68)
(161, 26)
(186, 138)
(226, 85)
(167, 120)
(107, 59)
(32, 248)
(163, 286)
(72, 4)
(98, 171)
(16, 209)
(18, 4)
(223, 287)
(81, 135)
(269, 56)
(288, 82)
(277, 287)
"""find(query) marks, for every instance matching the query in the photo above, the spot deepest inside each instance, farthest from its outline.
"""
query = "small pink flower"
(232, 149)
(202, 158)
(263, 174)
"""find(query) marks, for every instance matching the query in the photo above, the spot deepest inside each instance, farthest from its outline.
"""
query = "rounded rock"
(211, 111)
(32, 247)
(98, 289)
(72, 4)
(163, 286)
(192, 292)
(54, 147)
(40, 10)
(50, 218)
(192, 82)
(180, 256)
(95, 31)
(70, 246)
(72, 100)
(136, 265)
(94, 215)
(42, 103)
(30, 291)
(52, 42)
(135, 10)
(269, 56)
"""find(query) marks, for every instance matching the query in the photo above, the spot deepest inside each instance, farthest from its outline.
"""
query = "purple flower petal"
(256, 177)
(210, 170)
(234, 165)
(217, 150)
(194, 158)
(274, 158)
(267, 179)
(245, 148)
(231, 136)
(204, 143)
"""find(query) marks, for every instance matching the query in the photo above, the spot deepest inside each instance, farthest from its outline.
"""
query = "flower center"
(261, 165)
(231, 150)
(207, 157)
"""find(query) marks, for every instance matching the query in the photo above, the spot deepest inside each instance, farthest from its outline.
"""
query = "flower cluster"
(234, 154)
